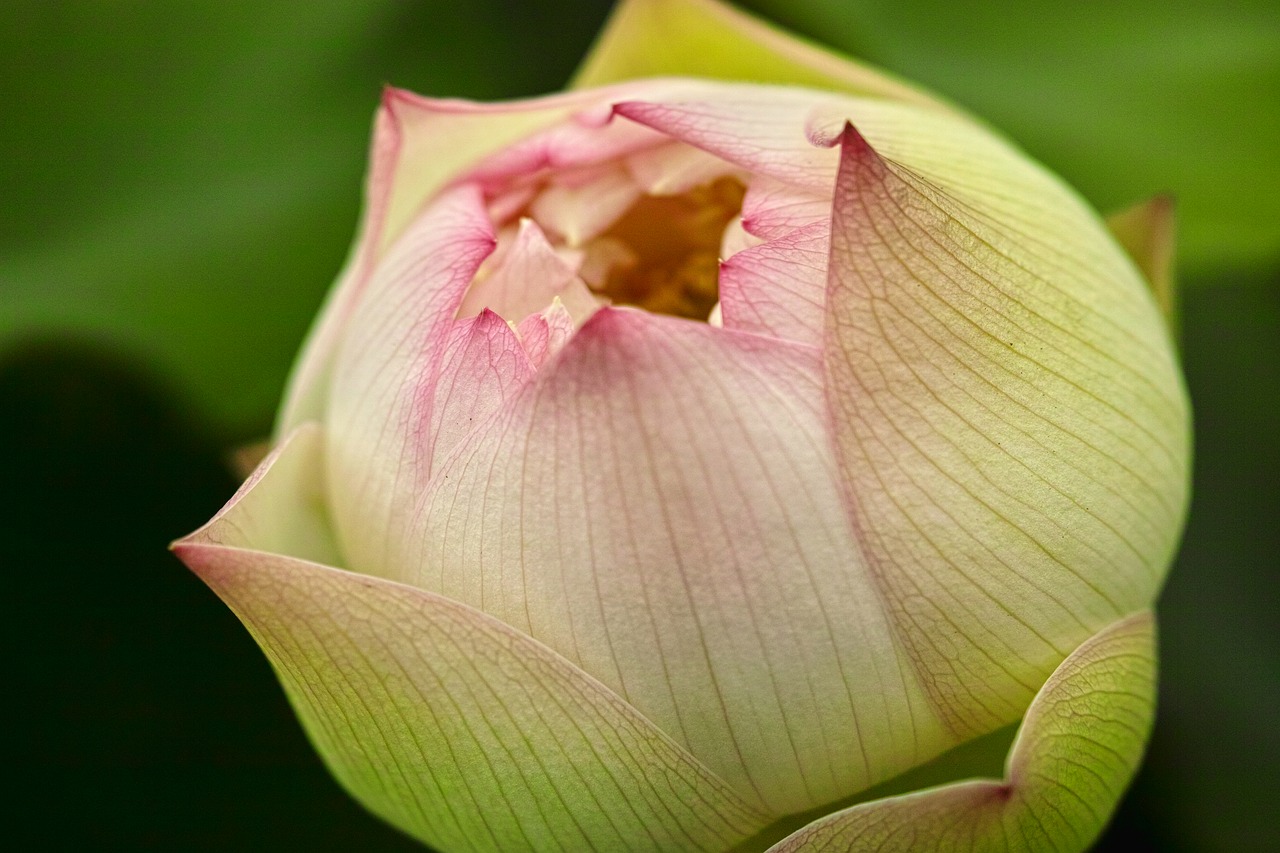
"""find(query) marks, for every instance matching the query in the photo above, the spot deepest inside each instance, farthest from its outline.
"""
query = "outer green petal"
(1147, 232)
(455, 728)
(705, 38)
(1077, 749)
(1009, 419)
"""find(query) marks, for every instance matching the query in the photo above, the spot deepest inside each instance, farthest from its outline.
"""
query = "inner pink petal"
(569, 145)
(778, 288)
(483, 365)
(772, 208)
(524, 280)
(545, 333)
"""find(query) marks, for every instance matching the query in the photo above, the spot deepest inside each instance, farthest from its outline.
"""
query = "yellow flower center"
(671, 250)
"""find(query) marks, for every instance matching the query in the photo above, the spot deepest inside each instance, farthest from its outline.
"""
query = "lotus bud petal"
(683, 461)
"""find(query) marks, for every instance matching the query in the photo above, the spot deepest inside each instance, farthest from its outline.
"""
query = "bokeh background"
(179, 185)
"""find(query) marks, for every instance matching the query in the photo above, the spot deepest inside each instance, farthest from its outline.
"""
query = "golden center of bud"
(672, 261)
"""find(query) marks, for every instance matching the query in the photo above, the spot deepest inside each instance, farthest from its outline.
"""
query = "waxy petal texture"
(699, 38)
(780, 287)
(385, 382)
(484, 364)
(530, 276)
(1010, 425)
(446, 723)
(1076, 750)
(659, 507)
(556, 574)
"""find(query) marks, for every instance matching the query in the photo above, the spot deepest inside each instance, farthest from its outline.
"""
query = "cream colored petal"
(523, 281)
(660, 506)
(463, 733)
(1010, 422)
(1075, 753)
(378, 452)
(582, 211)
(674, 168)
(704, 38)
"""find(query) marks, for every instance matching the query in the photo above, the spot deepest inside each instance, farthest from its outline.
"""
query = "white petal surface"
(758, 128)
(579, 212)
(1010, 424)
(674, 168)
(659, 506)
(444, 722)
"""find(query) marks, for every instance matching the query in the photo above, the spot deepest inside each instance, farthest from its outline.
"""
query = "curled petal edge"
(444, 722)
(1075, 753)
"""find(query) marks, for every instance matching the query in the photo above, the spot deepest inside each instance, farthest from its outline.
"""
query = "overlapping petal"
(1074, 755)
(448, 724)
(1010, 425)
(419, 146)
(779, 287)
(633, 582)
(659, 506)
(1147, 232)
(385, 377)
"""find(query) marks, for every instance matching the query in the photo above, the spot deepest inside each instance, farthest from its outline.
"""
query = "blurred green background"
(179, 185)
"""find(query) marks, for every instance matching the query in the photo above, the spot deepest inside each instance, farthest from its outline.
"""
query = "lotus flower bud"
(684, 454)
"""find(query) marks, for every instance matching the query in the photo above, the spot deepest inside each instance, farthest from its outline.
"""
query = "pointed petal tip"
(1147, 231)
(830, 136)
(1076, 751)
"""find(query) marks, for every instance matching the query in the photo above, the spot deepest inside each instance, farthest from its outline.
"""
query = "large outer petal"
(705, 38)
(660, 506)
(1009, 419)
(446, 723)
(1075, 753)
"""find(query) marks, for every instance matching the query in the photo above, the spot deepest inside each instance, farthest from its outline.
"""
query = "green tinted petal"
(705, 38)
(455, 728)
(1077, 749)
(1147, 231)
(1008, 415)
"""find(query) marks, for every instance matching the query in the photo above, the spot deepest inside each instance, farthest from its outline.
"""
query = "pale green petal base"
(451, 726)
(702, 38)
(1074, 755)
